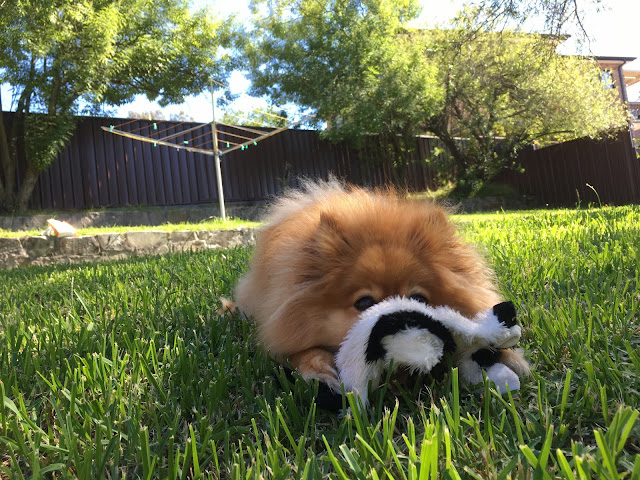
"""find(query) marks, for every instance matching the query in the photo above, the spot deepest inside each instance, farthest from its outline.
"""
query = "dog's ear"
(328, 222)
(430, 229)
(329, 239)
(326, 245)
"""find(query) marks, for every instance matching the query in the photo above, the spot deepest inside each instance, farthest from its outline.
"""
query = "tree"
(257, 117)
(62, 57)
(553, 16)
(181, 116)
(370, 78)
(506, 90)
(346, 61)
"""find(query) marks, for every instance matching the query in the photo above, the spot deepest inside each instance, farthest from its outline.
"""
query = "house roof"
(620, 60)
(631, 77)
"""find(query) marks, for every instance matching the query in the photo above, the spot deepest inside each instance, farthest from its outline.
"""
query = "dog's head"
(368, 247)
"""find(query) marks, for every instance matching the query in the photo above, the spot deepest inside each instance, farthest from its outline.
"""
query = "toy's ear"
(506, 313)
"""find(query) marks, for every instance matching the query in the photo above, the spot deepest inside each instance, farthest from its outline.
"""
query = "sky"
(613, 30)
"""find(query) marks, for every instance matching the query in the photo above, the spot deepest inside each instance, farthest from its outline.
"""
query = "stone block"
(12, 260)
(39, 246)
(112, 242)
(174, 216)
(227, 238)
(85, 245)
(182, 236)
(192, 246)
(146, 241)
(135, 219)
(10, 245)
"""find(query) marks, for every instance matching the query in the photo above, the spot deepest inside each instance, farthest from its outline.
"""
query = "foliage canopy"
(372, 78)
(64, 57)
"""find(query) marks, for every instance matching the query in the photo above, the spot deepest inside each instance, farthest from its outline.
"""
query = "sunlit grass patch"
(214, 224)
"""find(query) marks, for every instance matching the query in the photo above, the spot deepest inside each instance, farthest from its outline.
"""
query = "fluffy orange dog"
(329, 252)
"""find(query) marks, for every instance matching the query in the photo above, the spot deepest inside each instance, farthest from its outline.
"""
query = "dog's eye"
(420, 298)
(364, 302)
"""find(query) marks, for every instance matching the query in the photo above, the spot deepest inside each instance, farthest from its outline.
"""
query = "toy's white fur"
(420, 350)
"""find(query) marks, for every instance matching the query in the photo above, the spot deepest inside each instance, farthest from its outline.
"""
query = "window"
(607, 79)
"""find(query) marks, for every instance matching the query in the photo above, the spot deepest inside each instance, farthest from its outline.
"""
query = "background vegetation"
(124, 369)
(64, 57)
(374, 79)
(358, 65)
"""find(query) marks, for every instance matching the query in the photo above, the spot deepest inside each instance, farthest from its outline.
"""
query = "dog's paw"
(328, 378)
(317, 364)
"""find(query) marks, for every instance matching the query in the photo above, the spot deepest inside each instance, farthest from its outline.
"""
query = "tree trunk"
(7, 182)
(26, 188)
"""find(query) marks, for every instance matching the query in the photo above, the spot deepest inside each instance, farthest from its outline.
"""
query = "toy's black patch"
(486, 357)
(506, 313)
(397, 321)
(327, 399)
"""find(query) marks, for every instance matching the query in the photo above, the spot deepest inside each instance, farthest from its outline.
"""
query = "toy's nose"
(392, 323)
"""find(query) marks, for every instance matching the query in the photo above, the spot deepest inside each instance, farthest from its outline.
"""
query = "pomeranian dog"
(330, 251)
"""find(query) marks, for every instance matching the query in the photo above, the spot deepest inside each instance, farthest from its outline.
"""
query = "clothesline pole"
(216, 155)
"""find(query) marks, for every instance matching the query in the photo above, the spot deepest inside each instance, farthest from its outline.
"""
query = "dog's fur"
(328, 245)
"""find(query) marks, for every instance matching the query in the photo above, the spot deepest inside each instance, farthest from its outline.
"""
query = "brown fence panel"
(580, 172)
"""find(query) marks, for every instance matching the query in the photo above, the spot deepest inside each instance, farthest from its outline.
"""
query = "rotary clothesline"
(218, 137)
(188, 145)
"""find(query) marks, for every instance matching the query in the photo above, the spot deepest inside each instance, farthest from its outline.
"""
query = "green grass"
(124, 370)
(215, 224)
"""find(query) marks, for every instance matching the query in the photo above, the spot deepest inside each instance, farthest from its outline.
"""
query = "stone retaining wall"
(40, 250)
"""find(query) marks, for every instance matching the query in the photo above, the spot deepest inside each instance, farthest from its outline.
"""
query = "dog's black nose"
(506, 313)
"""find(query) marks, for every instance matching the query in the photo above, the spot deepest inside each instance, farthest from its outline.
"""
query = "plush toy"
(418, 336)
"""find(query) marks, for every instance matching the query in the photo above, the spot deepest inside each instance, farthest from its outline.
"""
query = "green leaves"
(378, 83)
(349, 61)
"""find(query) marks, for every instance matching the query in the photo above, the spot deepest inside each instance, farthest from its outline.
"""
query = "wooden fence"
(100, 169)
(580, 172)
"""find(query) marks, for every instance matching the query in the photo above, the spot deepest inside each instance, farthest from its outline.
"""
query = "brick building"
(621, 78)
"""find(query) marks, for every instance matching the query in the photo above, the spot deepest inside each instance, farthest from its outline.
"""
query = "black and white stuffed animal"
(417, 336)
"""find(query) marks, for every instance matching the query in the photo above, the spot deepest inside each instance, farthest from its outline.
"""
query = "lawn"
(124, 370)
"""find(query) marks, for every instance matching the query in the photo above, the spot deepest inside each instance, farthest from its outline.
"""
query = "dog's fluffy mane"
(295, 200)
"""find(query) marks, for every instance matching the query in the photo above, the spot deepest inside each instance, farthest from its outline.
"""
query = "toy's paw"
(503, 377)
(505, 312)
(488, 362)
(509, 337)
